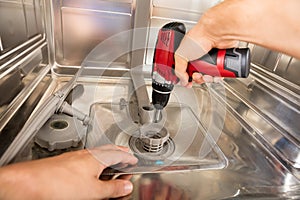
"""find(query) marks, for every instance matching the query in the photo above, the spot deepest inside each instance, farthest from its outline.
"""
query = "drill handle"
(234, 62)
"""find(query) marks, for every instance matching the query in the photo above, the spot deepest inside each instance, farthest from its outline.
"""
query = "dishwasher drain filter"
(153, 137)
(152, 141)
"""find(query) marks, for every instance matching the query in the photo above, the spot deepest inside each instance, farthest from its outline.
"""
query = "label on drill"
(164, 63)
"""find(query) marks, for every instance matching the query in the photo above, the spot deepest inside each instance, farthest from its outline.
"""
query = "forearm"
(12, 185)
(5, 184)
(274, 24)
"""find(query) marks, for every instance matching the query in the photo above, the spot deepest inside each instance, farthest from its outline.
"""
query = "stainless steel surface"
(88, 23)
(20, 21)
(139, 44)
(21, 98)
(254, 121)
(285, 66)
(254, 169)
(23, 65)
(28, 62)
(17, 115)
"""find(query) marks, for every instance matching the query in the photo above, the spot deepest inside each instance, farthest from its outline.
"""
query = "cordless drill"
(234, 62)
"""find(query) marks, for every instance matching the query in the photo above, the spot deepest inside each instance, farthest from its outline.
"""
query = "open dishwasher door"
(236, 140)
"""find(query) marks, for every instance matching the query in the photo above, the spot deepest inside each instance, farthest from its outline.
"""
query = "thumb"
(115, 188)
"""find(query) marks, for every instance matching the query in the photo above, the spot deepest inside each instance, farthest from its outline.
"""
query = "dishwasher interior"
(77, 75)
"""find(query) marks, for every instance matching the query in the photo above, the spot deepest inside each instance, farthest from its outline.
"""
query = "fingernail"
(128, 187)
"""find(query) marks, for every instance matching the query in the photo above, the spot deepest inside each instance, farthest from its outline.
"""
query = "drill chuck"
(160, 95)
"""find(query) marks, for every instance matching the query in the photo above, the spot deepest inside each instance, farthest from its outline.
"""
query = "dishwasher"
(77, 74)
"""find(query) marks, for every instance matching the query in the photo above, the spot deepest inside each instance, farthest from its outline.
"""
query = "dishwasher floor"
(240, 165)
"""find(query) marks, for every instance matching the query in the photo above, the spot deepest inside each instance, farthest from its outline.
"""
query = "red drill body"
(233, 62)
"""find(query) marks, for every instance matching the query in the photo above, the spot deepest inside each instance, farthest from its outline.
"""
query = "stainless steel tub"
(251, 123)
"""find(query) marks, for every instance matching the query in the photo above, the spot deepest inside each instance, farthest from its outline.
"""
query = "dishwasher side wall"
(24, 65)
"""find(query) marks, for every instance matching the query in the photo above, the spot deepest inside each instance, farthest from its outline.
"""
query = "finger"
(107, 147)
(123, 148)
(189, 85)
(113, 147)
(114, 188)
(198, 78)
(188, 50)
(113, 157)
(125, 177)
(180, 69)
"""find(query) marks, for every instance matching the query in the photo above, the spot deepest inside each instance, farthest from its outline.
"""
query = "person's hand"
(212, 31)
(73, 175)
(223, 25)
